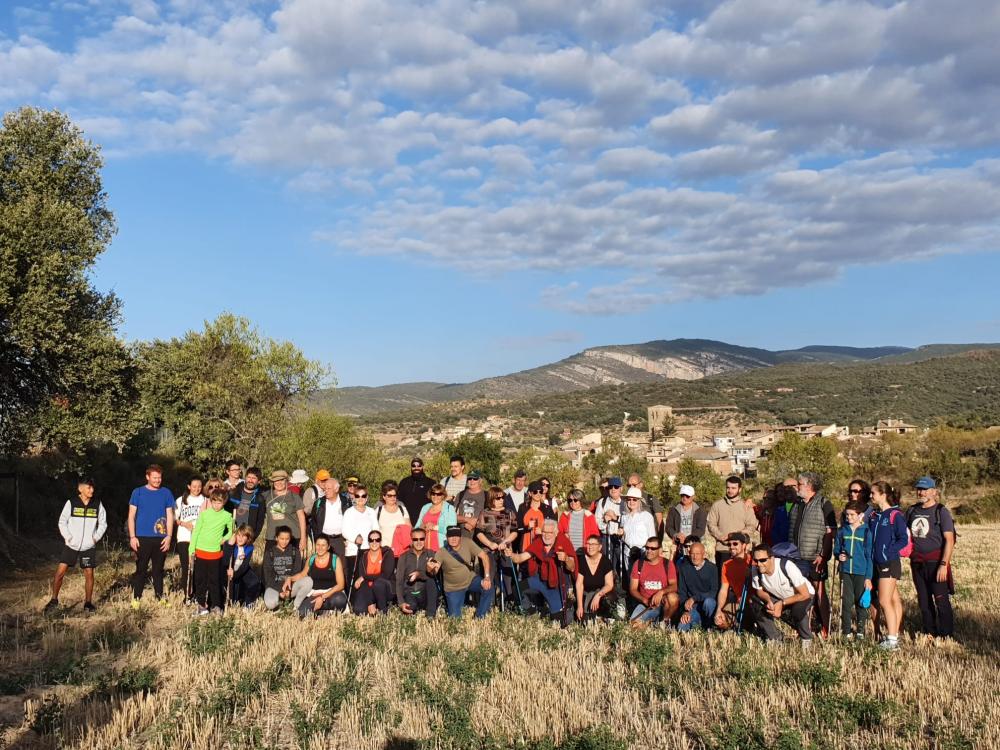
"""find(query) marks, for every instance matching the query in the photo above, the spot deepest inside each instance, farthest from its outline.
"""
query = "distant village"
(726, 450)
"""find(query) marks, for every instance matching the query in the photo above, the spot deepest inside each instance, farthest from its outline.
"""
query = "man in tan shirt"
(730, 514)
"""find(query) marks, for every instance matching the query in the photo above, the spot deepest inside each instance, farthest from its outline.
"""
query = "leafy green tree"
(224, 391)
(480, 452)
(324, 440)
(708, 486)
(551, 463)
(794, 453)
(65, 376)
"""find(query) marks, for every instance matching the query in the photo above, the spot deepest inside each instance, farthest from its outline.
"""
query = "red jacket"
(589, 525)
(546, 564)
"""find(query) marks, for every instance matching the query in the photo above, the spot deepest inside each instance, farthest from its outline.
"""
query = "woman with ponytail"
(891, 540)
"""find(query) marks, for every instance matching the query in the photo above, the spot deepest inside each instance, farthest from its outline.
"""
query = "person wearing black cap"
(457, 563)
(413, 489)
(82, 523)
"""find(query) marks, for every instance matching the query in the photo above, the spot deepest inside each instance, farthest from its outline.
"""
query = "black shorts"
(86, 559)
(891, 569)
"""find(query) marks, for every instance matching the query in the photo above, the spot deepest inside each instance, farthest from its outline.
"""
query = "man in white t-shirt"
(514, 495)
(782, 591)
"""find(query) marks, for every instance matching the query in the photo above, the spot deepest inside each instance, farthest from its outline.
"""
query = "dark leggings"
(335, 603)
(851, 589)
(379, 594)
(934, 599)
(149, 551)
(208, 582)
(186, 585)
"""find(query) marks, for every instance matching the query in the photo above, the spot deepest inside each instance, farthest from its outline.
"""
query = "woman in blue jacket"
(890, 536)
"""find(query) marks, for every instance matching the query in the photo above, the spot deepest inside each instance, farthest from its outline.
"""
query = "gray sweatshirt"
(82, 526)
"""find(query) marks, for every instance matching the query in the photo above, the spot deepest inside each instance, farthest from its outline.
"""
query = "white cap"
(687, 489)
(634, 492)
(299, 476)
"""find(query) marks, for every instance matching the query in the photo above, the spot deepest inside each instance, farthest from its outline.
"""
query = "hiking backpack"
(908, 549)
(788, 551)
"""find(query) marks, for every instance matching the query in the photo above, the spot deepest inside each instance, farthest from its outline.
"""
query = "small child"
(214, 524)
(82, 523)
(243, 583)
(853, 547)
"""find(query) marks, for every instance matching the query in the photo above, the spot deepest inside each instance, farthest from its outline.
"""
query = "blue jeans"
(455, 599)
(650, 615)
(701, 613)
(553, 597)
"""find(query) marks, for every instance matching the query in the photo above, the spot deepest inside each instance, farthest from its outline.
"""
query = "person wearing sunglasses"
(781, 592)
(733, 576)
(359, 522)
(653, 584)
(375, 577)
(436, 517)
(416, 589)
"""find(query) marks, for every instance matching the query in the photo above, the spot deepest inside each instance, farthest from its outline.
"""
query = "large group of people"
(332, 546)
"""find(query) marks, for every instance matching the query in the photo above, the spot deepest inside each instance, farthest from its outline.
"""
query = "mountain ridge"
(613, 364)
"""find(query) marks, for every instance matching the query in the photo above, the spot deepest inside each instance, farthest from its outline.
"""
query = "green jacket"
(211, 529)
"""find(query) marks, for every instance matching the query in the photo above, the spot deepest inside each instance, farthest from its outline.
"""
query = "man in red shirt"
(654, 586)
(552, 564)
(734, 574)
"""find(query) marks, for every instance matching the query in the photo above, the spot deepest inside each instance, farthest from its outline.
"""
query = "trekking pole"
(517, 585)
(350, 590)
(743, 605)
(503, 603)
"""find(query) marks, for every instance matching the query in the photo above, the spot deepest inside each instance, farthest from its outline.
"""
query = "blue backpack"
(790, 552)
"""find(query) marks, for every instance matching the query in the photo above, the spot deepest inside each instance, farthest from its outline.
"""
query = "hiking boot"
(52, 606)
(89, 607)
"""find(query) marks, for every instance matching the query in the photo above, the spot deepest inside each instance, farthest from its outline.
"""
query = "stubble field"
(159, 678)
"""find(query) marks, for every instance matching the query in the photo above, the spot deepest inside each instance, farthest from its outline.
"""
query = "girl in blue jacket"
(853, 549)
(890, 537)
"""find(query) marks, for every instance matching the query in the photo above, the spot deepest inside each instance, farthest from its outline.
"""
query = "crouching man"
(782, 591)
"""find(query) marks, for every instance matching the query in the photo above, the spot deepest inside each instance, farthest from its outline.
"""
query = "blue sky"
(449, 190)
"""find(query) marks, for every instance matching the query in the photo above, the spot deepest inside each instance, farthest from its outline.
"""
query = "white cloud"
(719, 148)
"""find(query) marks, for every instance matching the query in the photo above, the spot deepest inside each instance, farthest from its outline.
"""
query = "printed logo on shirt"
(160, 527)
(920, 527)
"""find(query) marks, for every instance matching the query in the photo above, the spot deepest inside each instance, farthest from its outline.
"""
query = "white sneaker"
(889, 644)
(806, 644)
(202, 611)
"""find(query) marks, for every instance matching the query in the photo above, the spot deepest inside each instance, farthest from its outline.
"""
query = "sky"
(452, 189)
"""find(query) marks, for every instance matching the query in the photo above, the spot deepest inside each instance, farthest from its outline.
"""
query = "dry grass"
(157, 678)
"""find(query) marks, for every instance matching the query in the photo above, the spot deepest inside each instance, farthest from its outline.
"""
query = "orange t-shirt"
(734, 573)
(533, 514)
(374, 566)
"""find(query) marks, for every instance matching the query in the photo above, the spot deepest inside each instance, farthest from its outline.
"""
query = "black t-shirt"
(323, 578)
(594, 581)
(927, 535)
